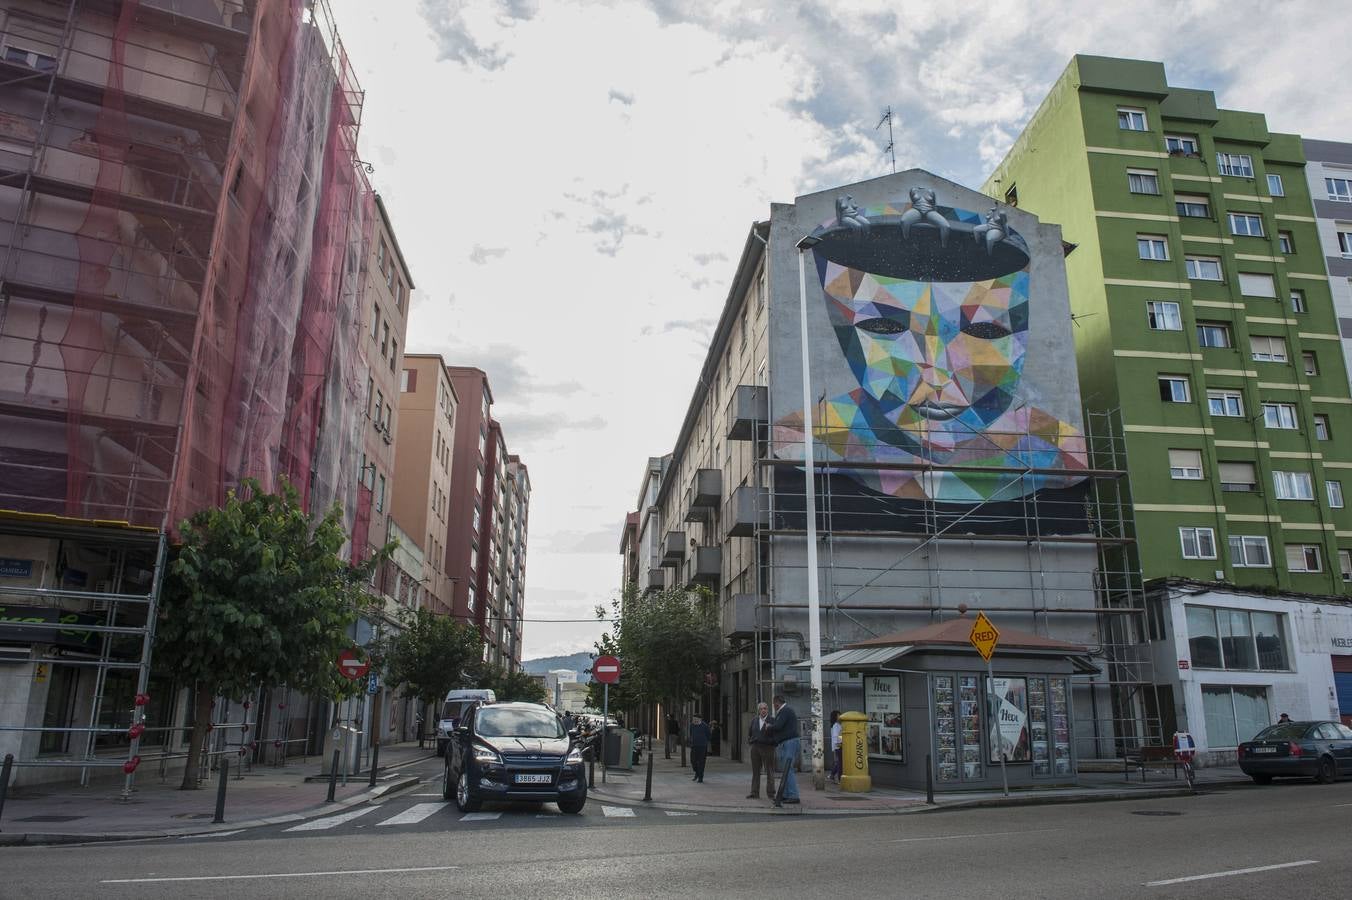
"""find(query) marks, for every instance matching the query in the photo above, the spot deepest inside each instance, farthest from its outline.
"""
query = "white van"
(453, 708)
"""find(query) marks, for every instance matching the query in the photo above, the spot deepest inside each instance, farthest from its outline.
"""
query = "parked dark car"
(514, 751)
(1318, 750)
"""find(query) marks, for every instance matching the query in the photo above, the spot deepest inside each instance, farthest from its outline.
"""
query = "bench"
(1148, 755)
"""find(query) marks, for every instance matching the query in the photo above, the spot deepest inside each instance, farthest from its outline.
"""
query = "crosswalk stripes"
(332, 821)
(674, 813)
(480, 817)
(414, 814)
(617, 812)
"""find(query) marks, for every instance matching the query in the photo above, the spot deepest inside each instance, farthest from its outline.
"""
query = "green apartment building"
(1203, 314)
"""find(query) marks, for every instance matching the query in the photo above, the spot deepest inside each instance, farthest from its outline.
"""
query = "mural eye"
(987, 331)
(882, 326)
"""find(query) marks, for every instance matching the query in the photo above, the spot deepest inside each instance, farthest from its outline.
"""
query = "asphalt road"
(1285, 839)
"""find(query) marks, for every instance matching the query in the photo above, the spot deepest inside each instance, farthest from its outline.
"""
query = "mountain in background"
(578, 662)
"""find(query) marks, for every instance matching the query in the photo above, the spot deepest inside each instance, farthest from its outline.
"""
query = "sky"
(571, 182)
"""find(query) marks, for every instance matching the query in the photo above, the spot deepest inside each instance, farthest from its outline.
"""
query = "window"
(1175, 389)
(1257, 284)
(1237, 164)
(394, 353)
(1246, 224)
(384, 338)
(1152, 246)
(1344, 239)
(471, 607)
(1180, 145)
(1308, 360)
(1213, 334)
(375, 322)
(1236, 639)
(1265, 348)
(1298, 301)
(399, 294)
(1339, 189)
(1335, 492)
(370, 392)
(380, 407)
(1275, 186)
(1198, 543)
(746, 326)
(1234, 714)
(1249, 552)
(1345, 564)
(1192, 206)
(408, 378)
(1130, 118)
(760, 290)
(30, 58)
(1012, 195)
(1143, 181)
(1285, 242)
(1293, 485)
(1279, 415)
(1303, 558)
(479, 482)
(1185, 465)
(380, 495)
(1163, 315)
(1203, 268)
(1238, 477)
(1321, 426)
(483, 440)
(1225, 403)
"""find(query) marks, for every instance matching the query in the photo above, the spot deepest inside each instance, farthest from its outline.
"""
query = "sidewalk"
(727, 783)
(266, 796)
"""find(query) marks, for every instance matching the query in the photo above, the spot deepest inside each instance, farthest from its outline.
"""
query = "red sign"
(1184, 664)
(606, 669)
(350, 665)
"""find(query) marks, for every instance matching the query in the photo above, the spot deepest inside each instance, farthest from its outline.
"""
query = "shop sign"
(15, 568)
(1184, 664)
(1344, 643)
(43, 615)
(882, 705)
(1011, 736)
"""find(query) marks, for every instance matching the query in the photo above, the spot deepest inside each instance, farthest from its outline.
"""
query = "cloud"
(481, 254)
(522, 429)
(701, 329)
(607, 214)
(454, 24)
(621, 97)
(704, 259)
(600, 540)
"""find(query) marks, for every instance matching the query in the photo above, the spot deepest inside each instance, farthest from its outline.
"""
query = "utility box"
(619, 748)
(343, 738)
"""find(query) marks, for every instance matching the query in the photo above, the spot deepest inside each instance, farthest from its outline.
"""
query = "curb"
(34, 839)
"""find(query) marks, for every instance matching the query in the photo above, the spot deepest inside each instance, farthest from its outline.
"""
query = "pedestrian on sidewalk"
(699, 747)
(836, 740)
(785, 732)
(762, 752)
(673, 729)
(715, 738)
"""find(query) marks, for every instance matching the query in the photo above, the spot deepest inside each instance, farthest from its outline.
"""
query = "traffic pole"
(648, 787)
(4, 780)
(375, 762)
(223, 778)
(605, 715)
(995, 723)
(333, 777)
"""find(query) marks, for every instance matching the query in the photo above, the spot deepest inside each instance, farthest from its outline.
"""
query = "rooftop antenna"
(891, 148)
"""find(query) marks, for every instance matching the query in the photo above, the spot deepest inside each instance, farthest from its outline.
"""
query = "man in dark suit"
(699, 746)
(762, 752)
(784, 732)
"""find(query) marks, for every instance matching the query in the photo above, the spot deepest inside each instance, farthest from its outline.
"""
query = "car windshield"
(455, 709)
(1286, 732)
(535, 723)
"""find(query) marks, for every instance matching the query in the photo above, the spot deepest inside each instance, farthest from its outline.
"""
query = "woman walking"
(836, 741)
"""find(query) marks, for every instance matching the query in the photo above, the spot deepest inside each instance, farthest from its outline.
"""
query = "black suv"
(514, 751)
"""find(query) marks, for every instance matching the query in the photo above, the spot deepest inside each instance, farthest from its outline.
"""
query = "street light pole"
(809, 470)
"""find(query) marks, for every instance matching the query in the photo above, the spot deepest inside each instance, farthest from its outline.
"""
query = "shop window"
(882, 705)
(1236, 639)
(1234, 714)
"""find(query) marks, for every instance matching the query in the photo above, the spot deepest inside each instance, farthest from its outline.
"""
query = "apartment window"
(1192, 206)
(483, 440)
(1225, 403)
(1335, 491)
(1275, 186)
(380, 256)
(1163, 315)
(1265, 348)
(1198, 543)
(380, 406)
(746, 326)
(485, 406)
(1236, 639)
(1130, 118)
(1175, 389)
(1246, 224)
(1339, 189)
(385, 338)
(1152, 246)
(380, 495)
(1237, 164)
(375, 322)
(760, 290)
(1345, 564)
(399, 294)
(1298, 302)
(361, 473)
(1257, 284)
(1234, 714)
(394, 353)
(1293, 485)
(1143, 181)
(1303, 558)
(1249, 552)
(1321, 426)
(1307, 359)
(1238, 477)
(1181, 144)
(1213, 334)
(1185, 465)
(1285, 242)
(474, 559)
(1279, 415)
(1012, 195)
(479, 482)
(1203, 268)
(408, 381)
(470, 602)
(1344, 239)
(370, 392)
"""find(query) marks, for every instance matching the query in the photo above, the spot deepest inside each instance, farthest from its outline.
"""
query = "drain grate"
(1155, 812)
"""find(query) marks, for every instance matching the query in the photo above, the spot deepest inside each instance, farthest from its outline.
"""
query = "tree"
(257, 594)
(508, 686)
(432, 654)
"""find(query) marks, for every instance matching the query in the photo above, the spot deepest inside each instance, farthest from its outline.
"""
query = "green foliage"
(432, 655)
(509, 686)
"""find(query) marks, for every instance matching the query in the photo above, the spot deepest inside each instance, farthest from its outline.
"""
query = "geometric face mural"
(930, 306)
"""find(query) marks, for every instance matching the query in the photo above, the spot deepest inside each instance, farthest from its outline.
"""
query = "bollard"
(375, 762)
(648, 787)
(4, 780)
(333, 777)
(591, 772)
(929, 780)
(220, 791)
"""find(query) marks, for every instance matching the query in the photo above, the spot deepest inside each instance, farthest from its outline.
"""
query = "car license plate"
(534, 779)
(1263, 750)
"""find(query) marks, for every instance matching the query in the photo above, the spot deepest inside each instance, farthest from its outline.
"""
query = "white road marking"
(672, 813)
(480, 817)
(332, 821)
(617, 812)
(434, 794)
(549, 815)
(279, 875)
(212, 834)
(415, 814)
(1248, 871)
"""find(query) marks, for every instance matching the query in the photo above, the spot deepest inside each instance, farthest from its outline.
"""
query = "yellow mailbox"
(854, 750)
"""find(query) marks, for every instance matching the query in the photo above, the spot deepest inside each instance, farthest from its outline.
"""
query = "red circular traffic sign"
(352, 666)
(606, 669)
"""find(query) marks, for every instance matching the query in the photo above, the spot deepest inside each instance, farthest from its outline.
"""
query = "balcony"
(673, 548)
(739, 615)
(703, 495)
(705, 567)
(655, 582)
(748, 509)
(750, 408)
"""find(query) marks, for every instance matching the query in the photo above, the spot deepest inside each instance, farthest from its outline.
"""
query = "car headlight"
(487, 755)
(574, 755)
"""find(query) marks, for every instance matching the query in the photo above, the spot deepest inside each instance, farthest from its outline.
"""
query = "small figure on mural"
(924, 208)
(851, 216)
(992, 231)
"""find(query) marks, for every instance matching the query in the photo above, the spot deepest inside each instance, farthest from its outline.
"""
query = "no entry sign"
(606, 669)
(350, 665)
